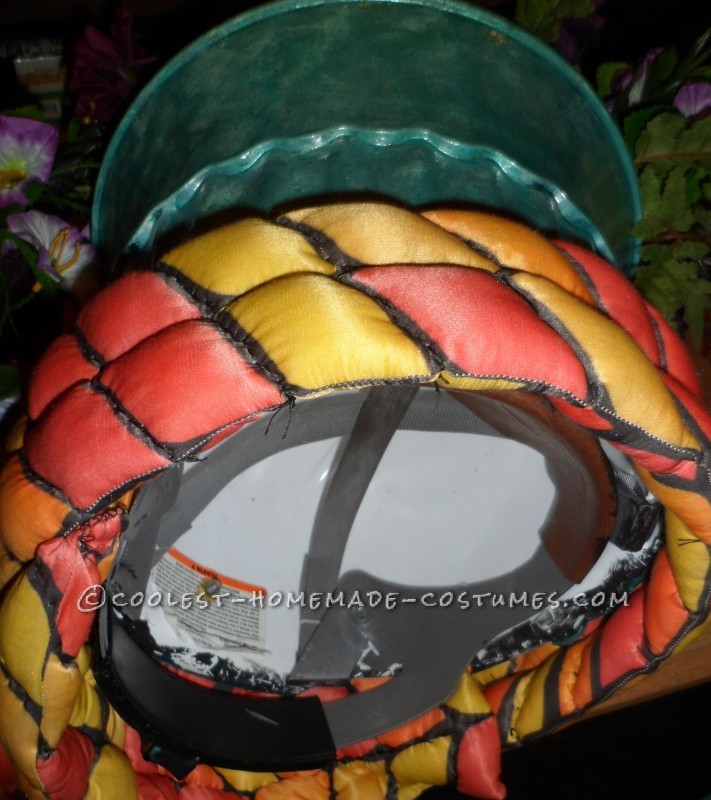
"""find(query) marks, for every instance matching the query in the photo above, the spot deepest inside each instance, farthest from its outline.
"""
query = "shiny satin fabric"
(233, 324)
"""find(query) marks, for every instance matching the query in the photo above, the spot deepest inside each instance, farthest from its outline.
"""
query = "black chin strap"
(379, 418)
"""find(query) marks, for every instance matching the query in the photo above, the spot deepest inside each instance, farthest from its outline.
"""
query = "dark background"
(658, 750)
(165, 26)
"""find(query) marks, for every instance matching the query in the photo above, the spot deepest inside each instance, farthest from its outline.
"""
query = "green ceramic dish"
(423, 101)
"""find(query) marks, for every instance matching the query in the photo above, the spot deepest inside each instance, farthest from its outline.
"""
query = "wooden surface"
(682, 671)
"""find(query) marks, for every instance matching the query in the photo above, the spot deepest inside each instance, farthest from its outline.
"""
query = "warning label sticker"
(212, 609)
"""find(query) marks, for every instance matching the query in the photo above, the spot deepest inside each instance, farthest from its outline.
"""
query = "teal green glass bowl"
(426, 102)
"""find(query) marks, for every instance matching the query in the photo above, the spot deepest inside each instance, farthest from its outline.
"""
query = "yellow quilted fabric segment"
(236, 258)
(395, 236)
(297, 319)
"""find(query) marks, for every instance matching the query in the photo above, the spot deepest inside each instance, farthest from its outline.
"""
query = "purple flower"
(693, 99)
(104, 72)
(27, 149)
(63, 251)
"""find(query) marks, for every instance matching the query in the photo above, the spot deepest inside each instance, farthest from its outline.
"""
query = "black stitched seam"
(117, 492)
(462, 719)
(435, 357)
(332, 794)
(691, 424)
(189, 290)
(551, 703)
(197, 443)
(480, 250)
(595, 678)
(677, 482)
(132, 425)
(598, 302)
(325, 247)
(10, 556)
(43, 751)
(504, 717)
(252, 351)
(204, 298)
(114, 494)
(660, 344)
(91, 355)
(97, 737)
(553, 322)
(392, 789)
(104, 709)
(541, 387)
(455, 742)
(95, 759)
(359, 384)
(42, 581)
(583, 275)
(614, 436)
(42, 483)
(72, 520)
(603, 404)
(33, 708)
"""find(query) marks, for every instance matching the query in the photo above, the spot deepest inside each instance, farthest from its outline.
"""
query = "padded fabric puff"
(81, 430)
(514, 246)
(299, 320)
(63, 365)
(618, 298)
(444, 308)
(677, 361)
(172, 359)
(132, 309)
(622, 643)
(28, 513)
(204, 383)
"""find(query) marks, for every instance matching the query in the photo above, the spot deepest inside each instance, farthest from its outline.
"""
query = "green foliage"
(9, 381)
(668, 140)
(606, 74)
(673, 155)
(543, 17)
(674, 286)
(665, 203)
(660, 79)
(634, 123)
(29, 112)
(33, 191)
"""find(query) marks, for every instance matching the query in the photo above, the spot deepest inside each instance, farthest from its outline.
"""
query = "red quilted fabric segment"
(619, 298)
(79, 431)
(587, 417)
(622, 641)
(66, 769)
(187, 381)
(62, 366)
(662, 592)
(71, 573)
(660, 464)
(478, 761)
(677, 361)
(482, 326)
(135, 307)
